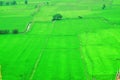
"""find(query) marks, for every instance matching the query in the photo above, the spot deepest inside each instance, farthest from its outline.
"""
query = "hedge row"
(7, 3)
(15, 31)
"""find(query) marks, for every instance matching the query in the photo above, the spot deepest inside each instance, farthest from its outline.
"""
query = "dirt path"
(0, 73)
(28, 27)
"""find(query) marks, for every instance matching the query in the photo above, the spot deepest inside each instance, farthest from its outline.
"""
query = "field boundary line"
(101, 18)
(34, 13)
(36, 64)
(83, 60)
(40, 55)
(0, 72)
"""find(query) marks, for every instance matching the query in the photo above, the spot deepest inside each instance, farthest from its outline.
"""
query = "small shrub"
(80, 17)
(26, 2)
(47, 3)
(15, 31)
(104, 6)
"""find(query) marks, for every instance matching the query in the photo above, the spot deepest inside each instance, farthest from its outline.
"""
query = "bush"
(57, 17)
(7, 3)
(47, 3)
(15, 31)
(104, 6)
(4, 31)
(80, 17)
(26, 2)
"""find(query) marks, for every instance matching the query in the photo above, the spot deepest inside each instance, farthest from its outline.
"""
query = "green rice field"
(73, 48)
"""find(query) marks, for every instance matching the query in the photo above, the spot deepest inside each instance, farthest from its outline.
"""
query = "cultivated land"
(68, 49)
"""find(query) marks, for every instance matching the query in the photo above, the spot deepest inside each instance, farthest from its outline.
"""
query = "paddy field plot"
(68, 49)
(16, 17)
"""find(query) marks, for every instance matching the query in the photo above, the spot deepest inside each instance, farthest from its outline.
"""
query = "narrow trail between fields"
(33, 14)
(87, 75)
(83, 61)
(40, 54)
(28, 27)
(0, 72)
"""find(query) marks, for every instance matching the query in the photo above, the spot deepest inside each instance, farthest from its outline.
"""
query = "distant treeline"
(7, 3)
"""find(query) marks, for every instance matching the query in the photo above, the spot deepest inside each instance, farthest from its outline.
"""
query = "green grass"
(69, 49)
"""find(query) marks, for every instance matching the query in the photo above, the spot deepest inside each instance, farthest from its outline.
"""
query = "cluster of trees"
(57, 17)
(60, 17)
(15, 31)
(7, 3)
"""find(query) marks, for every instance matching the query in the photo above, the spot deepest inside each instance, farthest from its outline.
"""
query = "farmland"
(73, 48)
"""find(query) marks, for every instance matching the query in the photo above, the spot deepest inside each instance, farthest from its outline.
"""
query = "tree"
(15, 31)
(26, 1)
(57, 17)
(7, 3)
(1, 3)
(14, 3)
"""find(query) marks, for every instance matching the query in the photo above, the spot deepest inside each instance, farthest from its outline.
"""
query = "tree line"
(8, 3)
(15, 31)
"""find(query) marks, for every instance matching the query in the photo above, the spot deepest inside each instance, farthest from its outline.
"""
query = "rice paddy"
(73, 48)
